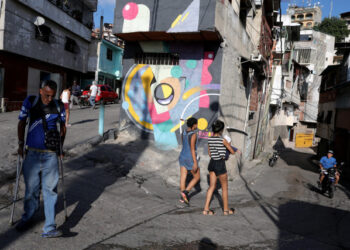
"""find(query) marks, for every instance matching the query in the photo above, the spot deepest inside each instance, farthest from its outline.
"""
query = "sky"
(106, 8)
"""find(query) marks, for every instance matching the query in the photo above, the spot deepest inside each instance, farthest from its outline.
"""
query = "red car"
(104, 93)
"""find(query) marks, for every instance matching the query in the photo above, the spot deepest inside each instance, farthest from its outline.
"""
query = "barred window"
(302, 55)
(157, 59)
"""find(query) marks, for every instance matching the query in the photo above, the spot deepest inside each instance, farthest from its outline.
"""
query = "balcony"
(74, 12)
(58, 15)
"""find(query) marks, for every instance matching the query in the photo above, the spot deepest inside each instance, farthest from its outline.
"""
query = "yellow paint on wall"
(304, 140)
(202, 124)
(127, 99)
(185, 16)
(191, 92)
(167, 90)
(179, 124)
(176, 21)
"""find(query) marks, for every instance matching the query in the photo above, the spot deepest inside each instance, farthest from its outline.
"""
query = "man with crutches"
(43, 152)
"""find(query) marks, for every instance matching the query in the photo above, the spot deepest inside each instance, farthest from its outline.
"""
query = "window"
(309, 15)
(328, 119)
(300, 17)
(109, 54)
(71, 46)
(157, 59)
(320, 117)
(302, 56)
(309, 24)
(293, 17)
(103, 88)
(43, 33)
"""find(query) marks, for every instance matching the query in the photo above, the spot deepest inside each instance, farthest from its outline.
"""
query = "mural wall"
(164, 15)
(159, 98)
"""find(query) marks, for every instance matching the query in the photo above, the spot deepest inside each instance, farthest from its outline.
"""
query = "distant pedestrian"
(93, 93)
(76, 92)
(188, 159)
(217, 147)
(42, 146)
(65, 98)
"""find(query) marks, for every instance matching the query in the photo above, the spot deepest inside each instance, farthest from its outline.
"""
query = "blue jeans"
(92, 100)
(47, 164)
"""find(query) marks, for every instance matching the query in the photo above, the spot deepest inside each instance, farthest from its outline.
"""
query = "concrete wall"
(55, 14)
(321, 46)
(324, 130)
(19, 37)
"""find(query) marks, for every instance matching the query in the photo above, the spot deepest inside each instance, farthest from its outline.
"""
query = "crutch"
(62, 182)
(18, 175)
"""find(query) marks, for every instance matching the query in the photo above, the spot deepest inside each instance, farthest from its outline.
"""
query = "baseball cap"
(330, 151)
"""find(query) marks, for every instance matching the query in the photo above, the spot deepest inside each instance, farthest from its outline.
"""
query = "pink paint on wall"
(157, 118)
(206, 78)
(130, 11)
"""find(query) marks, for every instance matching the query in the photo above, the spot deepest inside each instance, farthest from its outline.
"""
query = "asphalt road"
(84, 127)
(119, 197)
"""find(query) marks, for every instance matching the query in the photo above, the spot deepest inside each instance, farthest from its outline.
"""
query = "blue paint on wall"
(113, 67)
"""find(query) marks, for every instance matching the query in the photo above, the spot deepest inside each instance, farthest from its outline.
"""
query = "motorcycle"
(328, 181)
(84, 101)
(273, 159)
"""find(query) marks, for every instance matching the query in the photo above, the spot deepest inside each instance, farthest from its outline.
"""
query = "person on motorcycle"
(328, 162)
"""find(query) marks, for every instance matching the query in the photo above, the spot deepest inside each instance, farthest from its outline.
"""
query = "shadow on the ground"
(87, 177)
(84, 121)
(292, 157)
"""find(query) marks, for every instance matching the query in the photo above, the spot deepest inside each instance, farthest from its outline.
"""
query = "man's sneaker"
(52, 234)
(319, 184)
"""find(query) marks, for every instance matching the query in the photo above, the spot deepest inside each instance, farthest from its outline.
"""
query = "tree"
(335, 27)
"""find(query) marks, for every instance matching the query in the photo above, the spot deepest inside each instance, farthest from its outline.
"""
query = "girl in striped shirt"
(217, 169)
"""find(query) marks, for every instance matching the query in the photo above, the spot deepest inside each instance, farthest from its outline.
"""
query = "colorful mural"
(136, 17)
(187, 21)
(166, 16)
(158, 98)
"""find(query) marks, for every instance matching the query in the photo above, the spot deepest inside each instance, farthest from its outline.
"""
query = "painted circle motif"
(164, 94)
(176, 71)
(191, 64)
(202, 124)
(130, 11)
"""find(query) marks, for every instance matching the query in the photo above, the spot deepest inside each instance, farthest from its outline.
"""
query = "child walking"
(217, 147)
(188, 159)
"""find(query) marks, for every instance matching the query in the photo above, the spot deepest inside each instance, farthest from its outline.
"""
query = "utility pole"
(331, 9)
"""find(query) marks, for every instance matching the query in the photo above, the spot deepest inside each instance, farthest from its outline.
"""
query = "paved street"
(120, 196)
(84, 127)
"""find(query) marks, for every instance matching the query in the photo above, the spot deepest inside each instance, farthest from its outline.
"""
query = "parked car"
(104, 94)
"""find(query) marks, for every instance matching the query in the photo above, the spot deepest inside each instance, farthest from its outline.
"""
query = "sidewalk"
(84, 129)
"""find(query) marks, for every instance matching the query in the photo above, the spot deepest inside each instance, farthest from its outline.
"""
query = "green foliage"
(335, 27)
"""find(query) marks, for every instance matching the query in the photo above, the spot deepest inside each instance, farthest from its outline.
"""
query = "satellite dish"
(39, 21)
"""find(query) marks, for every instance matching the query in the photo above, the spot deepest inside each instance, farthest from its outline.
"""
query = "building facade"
(346, 16)
(307, 17)
(105, 60)
(333, 125)
(197, 59)
(39, 40)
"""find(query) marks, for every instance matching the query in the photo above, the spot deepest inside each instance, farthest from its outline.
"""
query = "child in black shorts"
(217, 147)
